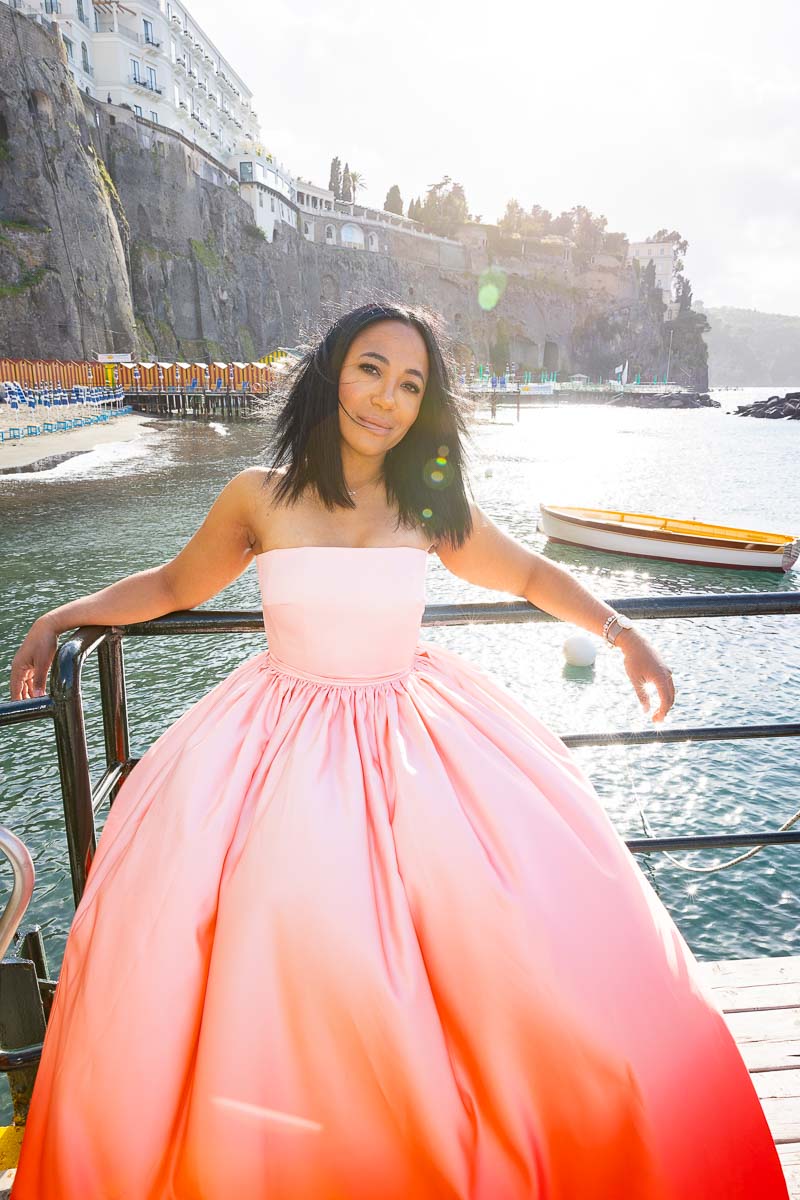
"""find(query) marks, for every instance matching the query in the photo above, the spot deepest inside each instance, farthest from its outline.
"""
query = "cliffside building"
(660, 253)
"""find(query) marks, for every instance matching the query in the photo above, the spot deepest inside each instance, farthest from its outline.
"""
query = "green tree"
(357, 181)
(683, 293)
(616, 243)
(513, 220)
(394, 201)
(444, 208)
(335, 180)
(347, 187)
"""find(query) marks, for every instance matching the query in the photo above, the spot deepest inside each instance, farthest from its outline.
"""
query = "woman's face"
(381, 385)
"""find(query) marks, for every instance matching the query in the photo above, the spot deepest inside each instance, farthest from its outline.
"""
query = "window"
(148, 31)
(135, 72)
(329, 234)
(81, 12)
(151, 78)
(85, 58)
(154, 116)
(246, 172)
(272, 203)
(260, 199)
(177, 96)
(137, 108)
(69, 49)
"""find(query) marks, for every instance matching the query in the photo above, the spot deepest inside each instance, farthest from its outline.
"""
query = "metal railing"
(27, 976)
(65, 708)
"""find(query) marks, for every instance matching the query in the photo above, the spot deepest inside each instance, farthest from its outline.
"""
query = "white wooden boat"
(650, 536)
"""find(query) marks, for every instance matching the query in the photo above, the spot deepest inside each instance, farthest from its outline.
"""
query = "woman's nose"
(385, 394)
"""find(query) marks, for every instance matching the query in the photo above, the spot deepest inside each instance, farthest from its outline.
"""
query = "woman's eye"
(372, 367)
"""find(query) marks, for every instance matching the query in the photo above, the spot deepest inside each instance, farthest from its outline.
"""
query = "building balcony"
(153, 45)
(128, 35)
(180, 64)
(153, 88)
(202, 86)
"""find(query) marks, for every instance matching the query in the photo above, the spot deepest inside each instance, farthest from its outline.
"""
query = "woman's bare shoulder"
(260, 481)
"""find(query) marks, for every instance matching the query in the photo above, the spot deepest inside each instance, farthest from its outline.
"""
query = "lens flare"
(491, 285)
(438, 473)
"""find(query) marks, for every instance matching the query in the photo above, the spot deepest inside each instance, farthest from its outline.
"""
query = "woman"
(357, 924)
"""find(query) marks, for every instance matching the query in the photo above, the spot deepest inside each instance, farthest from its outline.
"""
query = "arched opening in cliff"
(550, 359)
(524, 352)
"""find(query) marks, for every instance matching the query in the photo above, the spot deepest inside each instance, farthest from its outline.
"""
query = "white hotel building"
(660, 253)
(152, 57)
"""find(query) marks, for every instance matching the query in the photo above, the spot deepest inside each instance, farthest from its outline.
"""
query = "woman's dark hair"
(423, 473)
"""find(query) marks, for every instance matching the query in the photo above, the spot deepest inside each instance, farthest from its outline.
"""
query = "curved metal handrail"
(18, 855)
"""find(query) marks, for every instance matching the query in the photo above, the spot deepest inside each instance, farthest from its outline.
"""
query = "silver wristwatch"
(614, 626)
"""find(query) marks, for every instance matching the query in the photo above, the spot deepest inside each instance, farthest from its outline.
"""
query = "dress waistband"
(275, 664)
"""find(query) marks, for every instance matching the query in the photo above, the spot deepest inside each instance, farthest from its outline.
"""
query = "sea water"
(102, 515)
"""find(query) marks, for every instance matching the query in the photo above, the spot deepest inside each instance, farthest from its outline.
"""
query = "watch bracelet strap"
(607, 628)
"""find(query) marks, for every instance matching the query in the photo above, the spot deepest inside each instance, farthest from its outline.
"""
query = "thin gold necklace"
(354, 491)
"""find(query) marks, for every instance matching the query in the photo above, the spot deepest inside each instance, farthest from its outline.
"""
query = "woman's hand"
(31, 663)
(644, 664)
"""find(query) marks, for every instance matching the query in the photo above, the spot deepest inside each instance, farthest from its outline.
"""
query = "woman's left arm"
(492, 558)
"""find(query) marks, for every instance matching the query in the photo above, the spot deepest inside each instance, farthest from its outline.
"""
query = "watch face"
(624, 622)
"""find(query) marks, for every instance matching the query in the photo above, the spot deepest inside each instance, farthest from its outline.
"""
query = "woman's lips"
(384, 429)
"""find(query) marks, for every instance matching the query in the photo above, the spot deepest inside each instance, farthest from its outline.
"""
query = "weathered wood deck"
(760, 999)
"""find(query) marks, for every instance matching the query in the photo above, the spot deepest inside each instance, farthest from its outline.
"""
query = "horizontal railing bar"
(698, 733)
(25, 1056)
(14, 712)
(710, 841)
(637, 607)
(108, 782)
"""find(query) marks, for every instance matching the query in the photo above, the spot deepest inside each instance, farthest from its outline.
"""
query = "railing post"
(73, 755)
(114, 702)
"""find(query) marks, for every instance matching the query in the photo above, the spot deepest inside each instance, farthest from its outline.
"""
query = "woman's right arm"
(216, 555)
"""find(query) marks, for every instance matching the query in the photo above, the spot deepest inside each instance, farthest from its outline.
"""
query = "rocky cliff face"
(63, 281)
(112, 241)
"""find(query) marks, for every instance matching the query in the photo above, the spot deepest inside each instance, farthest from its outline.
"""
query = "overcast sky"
(682, 114)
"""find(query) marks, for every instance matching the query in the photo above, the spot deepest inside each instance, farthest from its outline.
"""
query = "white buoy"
(580, 650)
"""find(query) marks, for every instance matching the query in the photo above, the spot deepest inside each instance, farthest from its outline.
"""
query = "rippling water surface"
(102, 515)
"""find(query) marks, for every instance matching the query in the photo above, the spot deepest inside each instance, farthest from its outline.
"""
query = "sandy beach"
(32, 453)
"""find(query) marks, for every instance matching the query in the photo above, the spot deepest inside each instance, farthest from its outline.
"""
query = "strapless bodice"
(342, 612)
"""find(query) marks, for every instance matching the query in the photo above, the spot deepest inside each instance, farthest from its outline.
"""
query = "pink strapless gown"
(358, 928)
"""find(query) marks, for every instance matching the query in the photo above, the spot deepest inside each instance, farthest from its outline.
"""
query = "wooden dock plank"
(760, 1001)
